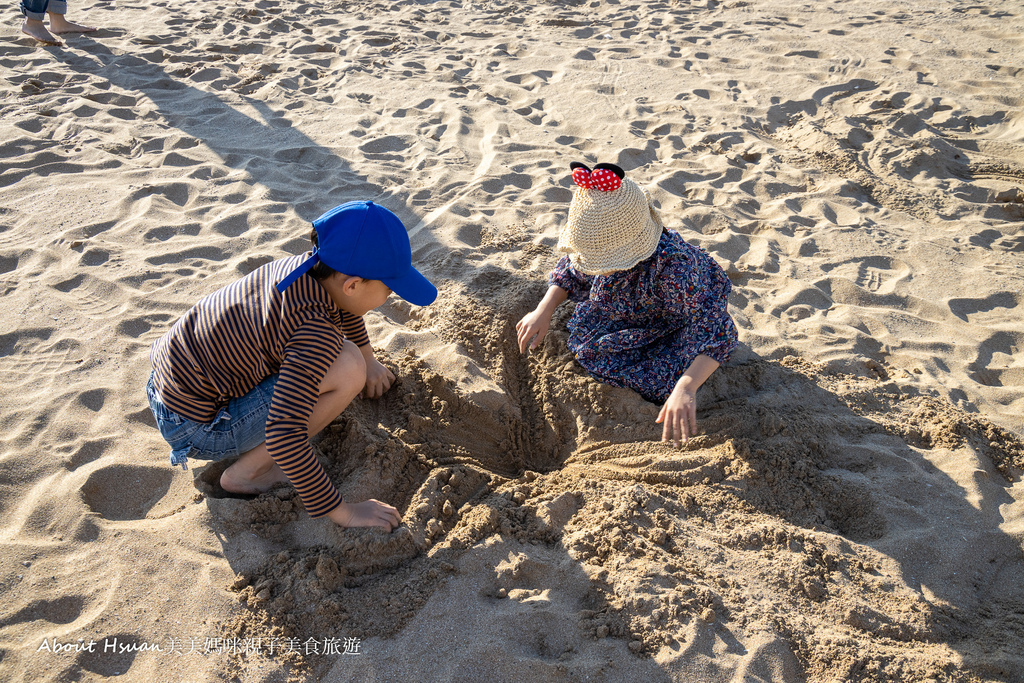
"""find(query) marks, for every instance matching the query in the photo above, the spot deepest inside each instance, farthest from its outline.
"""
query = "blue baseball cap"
(366, 240)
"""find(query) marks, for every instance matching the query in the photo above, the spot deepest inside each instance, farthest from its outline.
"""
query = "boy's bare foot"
(34, 28)
(367, 513)
(58, 24)
(236, 479)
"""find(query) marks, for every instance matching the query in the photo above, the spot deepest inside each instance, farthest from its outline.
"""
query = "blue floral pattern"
(641, 328)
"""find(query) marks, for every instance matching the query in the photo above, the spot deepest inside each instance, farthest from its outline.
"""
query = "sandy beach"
(853, 509)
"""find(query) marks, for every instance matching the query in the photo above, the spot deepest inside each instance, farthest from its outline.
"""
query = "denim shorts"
(237, 428)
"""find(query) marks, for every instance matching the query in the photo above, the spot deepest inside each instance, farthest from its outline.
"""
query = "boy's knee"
(352, 352)
(351, 363)
(348, 370)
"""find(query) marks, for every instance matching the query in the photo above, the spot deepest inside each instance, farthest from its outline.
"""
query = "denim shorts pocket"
(177, 431)
(250, 430)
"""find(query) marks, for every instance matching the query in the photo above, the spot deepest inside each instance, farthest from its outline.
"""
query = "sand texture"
(853, 509)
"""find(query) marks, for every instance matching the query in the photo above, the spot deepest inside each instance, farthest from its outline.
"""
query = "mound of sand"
(802, 520)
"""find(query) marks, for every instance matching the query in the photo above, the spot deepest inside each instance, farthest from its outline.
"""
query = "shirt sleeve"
(572, 281)
(354, 329)
(307, 356)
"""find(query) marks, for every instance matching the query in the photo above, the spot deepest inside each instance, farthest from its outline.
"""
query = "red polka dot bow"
(604, 177)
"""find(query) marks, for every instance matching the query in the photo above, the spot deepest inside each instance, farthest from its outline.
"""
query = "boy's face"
(354, 294)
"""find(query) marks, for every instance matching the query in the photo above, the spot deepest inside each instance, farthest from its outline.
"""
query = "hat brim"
(412, 287)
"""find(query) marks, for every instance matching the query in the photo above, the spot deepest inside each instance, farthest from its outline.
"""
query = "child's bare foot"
(367, 513)
(34, 28)
(239, 479)
(58, 24)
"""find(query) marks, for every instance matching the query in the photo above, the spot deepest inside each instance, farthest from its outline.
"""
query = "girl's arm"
(535, 324)
(680, 410)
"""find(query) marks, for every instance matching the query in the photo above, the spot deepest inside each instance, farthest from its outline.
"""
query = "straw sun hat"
(612, 225)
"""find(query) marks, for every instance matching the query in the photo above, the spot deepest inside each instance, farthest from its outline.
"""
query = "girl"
(652, 310)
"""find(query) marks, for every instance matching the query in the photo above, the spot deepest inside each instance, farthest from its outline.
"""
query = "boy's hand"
(378, 379)
(532, 327)
(679, 415)
(367, 513)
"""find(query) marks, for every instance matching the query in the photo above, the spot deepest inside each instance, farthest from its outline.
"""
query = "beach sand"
(853, 509)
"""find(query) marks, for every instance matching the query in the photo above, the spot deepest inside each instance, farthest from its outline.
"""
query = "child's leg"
(58, 24)
(255, 471)
(35, 12)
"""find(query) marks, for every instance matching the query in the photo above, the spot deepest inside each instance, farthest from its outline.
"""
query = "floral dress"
(641, 328)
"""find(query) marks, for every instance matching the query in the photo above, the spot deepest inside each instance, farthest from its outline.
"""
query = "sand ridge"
(853, 507)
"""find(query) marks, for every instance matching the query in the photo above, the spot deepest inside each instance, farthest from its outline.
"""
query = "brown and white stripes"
(238, 336)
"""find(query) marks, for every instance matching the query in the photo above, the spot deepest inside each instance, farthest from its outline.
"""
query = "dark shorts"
(237, 428)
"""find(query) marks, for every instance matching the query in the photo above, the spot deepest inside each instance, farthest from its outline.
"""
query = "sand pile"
(784, 523)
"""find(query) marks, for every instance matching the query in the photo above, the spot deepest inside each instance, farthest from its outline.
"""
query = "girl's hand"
(679, 415)
(680, 410)
(533, 327)
(378, 379)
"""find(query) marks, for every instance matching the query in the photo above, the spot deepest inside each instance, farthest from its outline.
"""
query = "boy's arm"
(378, 378)
(306, 359)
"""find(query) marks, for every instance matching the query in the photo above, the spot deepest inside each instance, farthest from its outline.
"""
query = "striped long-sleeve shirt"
(238, 336)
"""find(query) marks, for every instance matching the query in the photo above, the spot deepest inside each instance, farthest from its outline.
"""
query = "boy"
(258, 367)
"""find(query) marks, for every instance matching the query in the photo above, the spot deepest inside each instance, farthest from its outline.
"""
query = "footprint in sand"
(29, 354)
(232, 225)
(196, 255)
(163, 233)
(993, 308)
(93, 399)
(877, 274)
(109, 663)
(530, 81)
(88, 294)
(136, 326)
(63, 610)
(88, 451)
(8, 262)
(388, 148)
(126, 492)
(95, 257)
(997, 363)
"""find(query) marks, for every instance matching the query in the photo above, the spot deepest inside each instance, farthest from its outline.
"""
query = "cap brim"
(413, 287)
